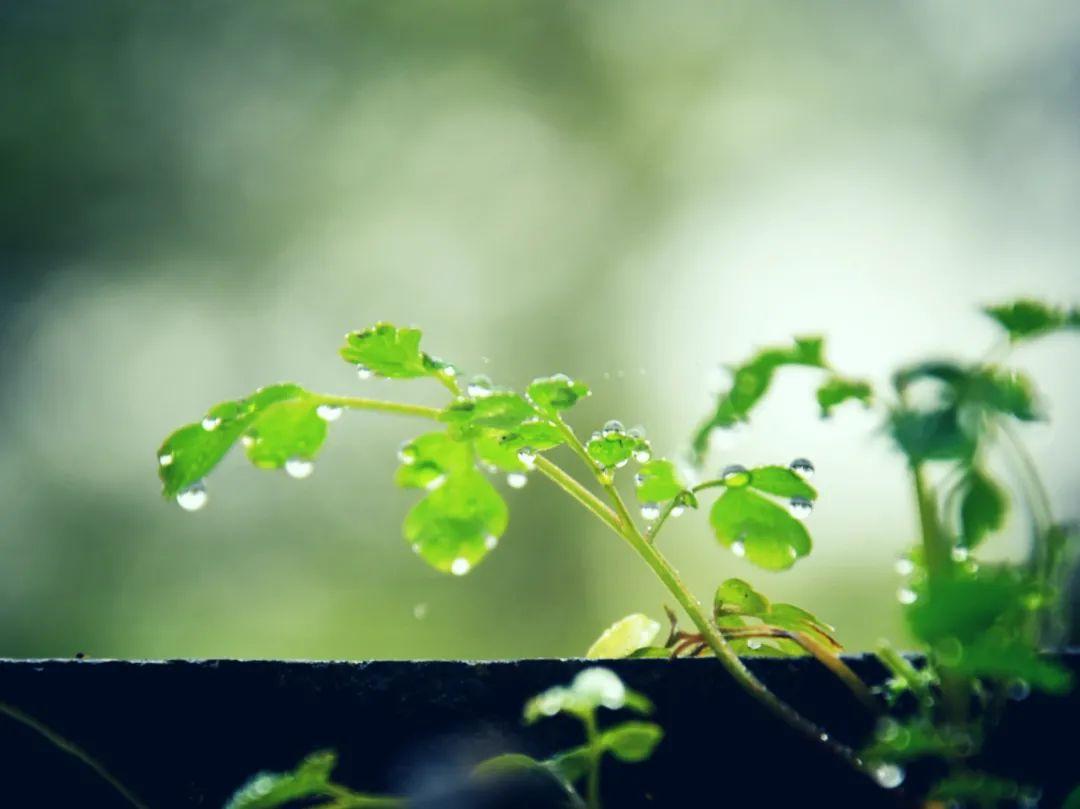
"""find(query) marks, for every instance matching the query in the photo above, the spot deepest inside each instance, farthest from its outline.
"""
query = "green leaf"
(975, 788)
(765, 532)
(657, 481)
(455, 526)
(501, 410)
(624, 637)
(750, 382)
(388, 351)
(1072, 800)
(1025, 319)
(190, 453)
(286, 430)
(982, 509)
(796, 619)
(571, 765)
(535, 777)
(781, 481)
(268, 790)
(1004, 656)
(931, 436)
(836, 390)
(534, 434)
(737, 596)
(1004, 391)
(632, 741)
(558, 392)
(961, 607)
(431, 457)
(611, 450)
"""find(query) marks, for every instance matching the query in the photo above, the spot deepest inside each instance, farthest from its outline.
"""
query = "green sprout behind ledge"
(983, 626)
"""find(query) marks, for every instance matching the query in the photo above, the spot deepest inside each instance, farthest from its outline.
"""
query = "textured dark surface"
(188, 733)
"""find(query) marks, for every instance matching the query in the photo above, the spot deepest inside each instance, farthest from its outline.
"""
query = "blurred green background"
(200, 198)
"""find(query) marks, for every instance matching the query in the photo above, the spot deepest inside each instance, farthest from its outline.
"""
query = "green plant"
(592, 689)
(983, 625)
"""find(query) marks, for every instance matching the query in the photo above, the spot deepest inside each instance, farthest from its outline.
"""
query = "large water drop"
(802, 467)
(299, 468)
(328, 412)
(460, 566)
(193, 497)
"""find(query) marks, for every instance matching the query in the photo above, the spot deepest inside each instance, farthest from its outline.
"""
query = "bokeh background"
(200, 198)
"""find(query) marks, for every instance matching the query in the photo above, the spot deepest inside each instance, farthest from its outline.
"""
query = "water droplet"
(448, 372)
(527, 456)
(517, 480)
(1018, 690)
(753, 644)
(643, 455)
(735, 475)
(460, 566)
(613, 427)
(677, 511)
(637, 432)
(299, 468)
(363, 373)
(419, 612)
(248, 440)
(905, 595)
(193, 497)
(479, 387)
(165, 459)
(416, 547)
(622, 463)
(328, 412)
(639, 479)
(211, 423)
(824, 737)
(800, 507)
(650, 511)
(738, 548)
(890, 776)
(435, 482)
(802, 467)
(491, 541)
(904, 566)
(406, 454)
(959, 554)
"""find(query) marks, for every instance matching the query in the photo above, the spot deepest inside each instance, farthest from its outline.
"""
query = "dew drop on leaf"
(406, 454)
(735, 476)
(193, 497)
(479, 387)
(890, 776)
(363, 373)
(643, 455)
(420, 611)
(435, 483)
(491, 541)
(800, 507)
(959, 554)
(299, 468)
(738, 548)
(612, 427)
(527, 456)
(802, 467)
(248, 440)
(328, 412)
(211, 423)
(460, 566)
(753, 644)
(165, 459)
(637, 432)
(905, 595)
(517, 480)
(650, 511)
(904, 566)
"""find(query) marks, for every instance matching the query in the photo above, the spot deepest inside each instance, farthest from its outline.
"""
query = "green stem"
(592, 735)
(936, 551)
(654, 529)
(345, 798)
(570, 485)
(378, 405)
(72, 749)
(902, 668)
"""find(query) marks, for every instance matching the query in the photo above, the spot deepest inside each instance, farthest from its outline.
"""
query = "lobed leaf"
(592, 688)
(658, 481)
(611, 450)
(632, 741)
(836, 390)
(388, 351)
(624, 637)
(285, 430)
(770, 537)
(1025, 319)
(501, 410)
(431, 457)
(781, 481)
(555, 393)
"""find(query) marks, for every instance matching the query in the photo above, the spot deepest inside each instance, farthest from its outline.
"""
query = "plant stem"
(902, 668)
(401, 408)
(935, 551)
(570, 485)
(592, 734)
(345, 798)
(72, 749)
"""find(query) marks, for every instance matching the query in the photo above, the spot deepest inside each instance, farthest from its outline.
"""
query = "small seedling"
(982, 625)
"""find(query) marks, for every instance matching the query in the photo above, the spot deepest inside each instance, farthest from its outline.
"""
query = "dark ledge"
(187, 733)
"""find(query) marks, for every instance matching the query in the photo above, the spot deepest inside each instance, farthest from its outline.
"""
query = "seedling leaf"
(836, 390)
(557, 392)
(632, 741)
(624, 637)
(770, 537)
(658, 481)
(388, 351)
(1025, 319)
(781, 481)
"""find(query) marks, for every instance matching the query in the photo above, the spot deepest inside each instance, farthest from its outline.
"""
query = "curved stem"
(71, 749)
(570, 485)
(592, 734)
(378, 405)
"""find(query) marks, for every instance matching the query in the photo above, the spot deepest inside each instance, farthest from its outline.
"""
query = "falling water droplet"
(890, 776)
(527, 456)
(420, 611)
(165, 459)
(299, 468)
(905, 595)
(735, 475)
(416, 547)
(491, 541)
(517, 480)
(904, 566)
(363, 373)
(800, 507)
(460, 566)
(328, 412)
(738, 548)
(479, 387)
(193, 497)
(612, 427)
(802, 467)
(211, 423)
(650, 511)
